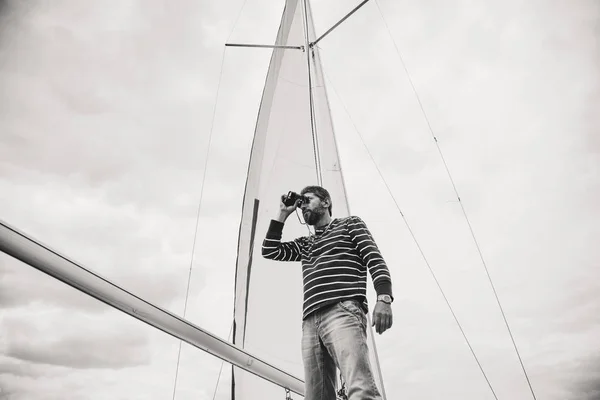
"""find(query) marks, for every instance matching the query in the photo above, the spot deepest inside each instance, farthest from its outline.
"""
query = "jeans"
(337, 336)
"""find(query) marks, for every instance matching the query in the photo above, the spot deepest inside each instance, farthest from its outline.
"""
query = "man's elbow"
(269, 254)
(265, 255)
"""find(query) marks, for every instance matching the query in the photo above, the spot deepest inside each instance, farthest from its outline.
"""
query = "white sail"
(284, 156)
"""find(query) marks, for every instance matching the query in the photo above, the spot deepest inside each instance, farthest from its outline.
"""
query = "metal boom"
(16, 244)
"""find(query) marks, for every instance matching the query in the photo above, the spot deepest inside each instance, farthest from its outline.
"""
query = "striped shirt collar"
(322, 229)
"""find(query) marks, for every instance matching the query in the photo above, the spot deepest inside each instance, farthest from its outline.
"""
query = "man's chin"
(311, 220)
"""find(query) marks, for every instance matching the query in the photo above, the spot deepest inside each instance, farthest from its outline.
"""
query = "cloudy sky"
(105, 117)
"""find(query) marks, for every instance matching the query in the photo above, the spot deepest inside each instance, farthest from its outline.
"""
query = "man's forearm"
(281, 217)
(274, 249)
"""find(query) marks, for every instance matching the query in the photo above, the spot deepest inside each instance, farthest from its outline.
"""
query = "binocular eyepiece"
(292, 198)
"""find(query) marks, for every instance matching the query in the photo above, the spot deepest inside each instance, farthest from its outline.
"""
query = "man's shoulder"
(302, 240)
(351, 219)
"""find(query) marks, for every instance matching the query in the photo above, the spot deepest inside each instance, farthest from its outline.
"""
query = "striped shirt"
(334, 262)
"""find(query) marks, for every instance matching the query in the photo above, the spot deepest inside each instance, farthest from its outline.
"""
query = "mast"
(309, 50)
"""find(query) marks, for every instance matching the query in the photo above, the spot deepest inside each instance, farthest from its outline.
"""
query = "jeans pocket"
(353, 308)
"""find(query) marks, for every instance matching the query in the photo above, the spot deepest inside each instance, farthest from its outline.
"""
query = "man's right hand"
(285, 211)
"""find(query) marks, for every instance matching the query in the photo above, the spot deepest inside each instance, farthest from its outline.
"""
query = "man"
(334, 271)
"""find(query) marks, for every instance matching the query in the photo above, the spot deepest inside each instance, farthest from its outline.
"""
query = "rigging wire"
(189, 279)
(222, 364)
(416, 241)
(459, 200)
(187, 292)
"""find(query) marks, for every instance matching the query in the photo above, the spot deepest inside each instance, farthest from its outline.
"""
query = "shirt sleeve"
(371, 256)
(274, 249)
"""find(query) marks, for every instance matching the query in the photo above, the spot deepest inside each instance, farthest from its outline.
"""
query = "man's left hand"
(382, 317)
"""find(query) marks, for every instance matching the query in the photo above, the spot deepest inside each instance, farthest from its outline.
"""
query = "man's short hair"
(321, 193)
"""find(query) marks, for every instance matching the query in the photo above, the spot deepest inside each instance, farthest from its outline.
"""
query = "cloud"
(10, 366)
(101, 239)
(105, 118)
(588, 374)
(83, 342)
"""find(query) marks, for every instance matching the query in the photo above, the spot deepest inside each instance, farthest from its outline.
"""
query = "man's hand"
(285, 211)
(382, 317)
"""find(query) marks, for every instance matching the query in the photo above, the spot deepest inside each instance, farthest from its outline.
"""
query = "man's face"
(313, 208)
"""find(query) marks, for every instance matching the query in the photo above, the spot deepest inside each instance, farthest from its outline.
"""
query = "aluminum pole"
(39, 256)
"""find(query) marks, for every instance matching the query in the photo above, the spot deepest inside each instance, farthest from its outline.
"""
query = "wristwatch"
(386, 298)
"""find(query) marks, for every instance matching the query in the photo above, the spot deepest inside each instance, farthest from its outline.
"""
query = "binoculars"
(292, 197)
